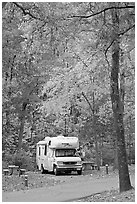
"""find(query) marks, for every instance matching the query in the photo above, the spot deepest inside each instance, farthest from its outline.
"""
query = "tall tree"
(112, 22)
(118, 106)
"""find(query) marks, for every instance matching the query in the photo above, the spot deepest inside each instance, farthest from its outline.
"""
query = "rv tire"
(79, 172)
(42, 169)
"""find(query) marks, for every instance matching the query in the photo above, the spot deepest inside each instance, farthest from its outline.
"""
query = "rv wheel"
(55, 171)
(42, 169)
(79, 172)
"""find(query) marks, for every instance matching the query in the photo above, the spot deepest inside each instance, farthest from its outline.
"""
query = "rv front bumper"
(69, 168)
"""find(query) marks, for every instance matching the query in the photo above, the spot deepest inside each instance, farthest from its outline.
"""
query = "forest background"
(58, 78)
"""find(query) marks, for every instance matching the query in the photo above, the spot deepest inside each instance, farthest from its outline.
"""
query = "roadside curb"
(75, 200)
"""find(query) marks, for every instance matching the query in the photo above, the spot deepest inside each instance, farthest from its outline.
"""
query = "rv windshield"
(65, 152)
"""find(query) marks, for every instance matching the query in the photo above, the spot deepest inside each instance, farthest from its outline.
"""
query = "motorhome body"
(58, 154)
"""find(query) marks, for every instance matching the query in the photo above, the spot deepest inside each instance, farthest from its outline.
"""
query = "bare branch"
(87, 101)
(109, 47)
(106, 9)
(122, 33)
(81, 59)
(26, 12)
(107, 51)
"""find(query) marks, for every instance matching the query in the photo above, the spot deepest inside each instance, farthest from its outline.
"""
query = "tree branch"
(26, 12)
(109, 46)
(87, 101)
(107, 51)
(122, 33)
(84, 63)
(106, 9)
(81, 59)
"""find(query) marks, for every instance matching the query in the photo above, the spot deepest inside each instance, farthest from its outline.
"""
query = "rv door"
(50, 159)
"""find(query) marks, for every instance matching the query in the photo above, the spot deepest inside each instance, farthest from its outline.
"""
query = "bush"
(89, 156)
(22, 159)
(108, 156)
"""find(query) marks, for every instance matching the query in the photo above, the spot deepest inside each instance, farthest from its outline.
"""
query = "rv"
(58, 154)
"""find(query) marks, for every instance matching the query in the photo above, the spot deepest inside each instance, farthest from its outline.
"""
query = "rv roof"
(64, 142)
(42, 142)
(60, 141)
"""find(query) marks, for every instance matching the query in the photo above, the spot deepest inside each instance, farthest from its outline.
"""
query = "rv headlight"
(79, 163)
(59, 163)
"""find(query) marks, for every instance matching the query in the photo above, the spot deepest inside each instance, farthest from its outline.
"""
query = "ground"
(111, 196)
(37, 180)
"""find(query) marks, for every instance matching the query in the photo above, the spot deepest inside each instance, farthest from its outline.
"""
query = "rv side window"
(39, 151)
(45, 153)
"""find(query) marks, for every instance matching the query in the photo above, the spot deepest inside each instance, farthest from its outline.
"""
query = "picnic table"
(87, 165)
(6, 171)
(12, 168)
(22, 172)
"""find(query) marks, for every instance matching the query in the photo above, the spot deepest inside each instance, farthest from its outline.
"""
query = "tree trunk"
(22, 122)
(129, 143)
(115, 166)
(93, 125)
(95, 133)
(117, 106)
(97, 152)
(101, 148)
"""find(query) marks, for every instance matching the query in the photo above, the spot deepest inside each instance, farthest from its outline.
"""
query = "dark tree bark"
(95, 134)
(129, 144)
(22, 122)
(115, 166)
(117, 106)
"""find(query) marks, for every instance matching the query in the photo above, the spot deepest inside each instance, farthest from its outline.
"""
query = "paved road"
(66, 191)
